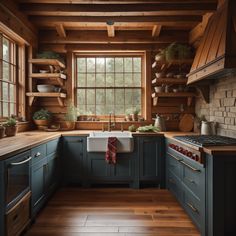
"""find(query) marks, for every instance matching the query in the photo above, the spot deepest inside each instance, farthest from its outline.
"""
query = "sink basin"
(97, 141)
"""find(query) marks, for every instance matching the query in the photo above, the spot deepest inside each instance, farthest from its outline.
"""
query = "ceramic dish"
(45, 88)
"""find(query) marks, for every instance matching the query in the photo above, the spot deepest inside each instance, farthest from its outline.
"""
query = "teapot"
(208, 128)
(160, 123)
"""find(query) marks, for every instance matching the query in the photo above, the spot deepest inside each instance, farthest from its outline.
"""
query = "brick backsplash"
(222, 106)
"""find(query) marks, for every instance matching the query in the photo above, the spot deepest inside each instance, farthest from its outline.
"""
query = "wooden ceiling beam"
(60, 30)
(94, 37)
(156, 31)
(118, 9)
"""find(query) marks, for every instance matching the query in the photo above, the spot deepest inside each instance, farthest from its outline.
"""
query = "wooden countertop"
(26, 140)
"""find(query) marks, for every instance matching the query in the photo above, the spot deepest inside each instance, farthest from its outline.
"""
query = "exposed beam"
(196, 34)
(75, 37)
(60, 30)
(118, 9)
(156, 30)
(111, 30)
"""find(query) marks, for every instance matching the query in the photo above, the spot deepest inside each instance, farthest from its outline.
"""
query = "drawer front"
(174, 165)
(195, 208)
(52, 146)
(18, 217)
(194, 179)
(174, 185)
(38, 153)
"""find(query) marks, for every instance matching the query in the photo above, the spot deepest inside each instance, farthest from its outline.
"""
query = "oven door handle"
(21, 162)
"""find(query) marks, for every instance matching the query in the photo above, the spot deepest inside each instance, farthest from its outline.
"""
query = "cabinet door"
(73, 153)
(150, 150)
(38, 184)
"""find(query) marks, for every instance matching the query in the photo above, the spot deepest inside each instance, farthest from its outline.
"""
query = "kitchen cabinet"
(74, 163)
(44, 173)
(151, 159)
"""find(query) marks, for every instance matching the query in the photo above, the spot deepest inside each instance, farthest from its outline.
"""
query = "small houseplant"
(135, 114)
(71, 116)
(128, 116)
(42, 118)
(2, 131)
(11, 127)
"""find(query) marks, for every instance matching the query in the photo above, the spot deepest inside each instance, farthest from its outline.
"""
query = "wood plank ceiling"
(116, 22)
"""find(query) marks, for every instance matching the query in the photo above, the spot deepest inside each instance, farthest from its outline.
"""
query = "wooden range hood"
(216, 55)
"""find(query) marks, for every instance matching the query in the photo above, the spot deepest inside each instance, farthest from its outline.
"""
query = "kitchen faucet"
(111, 124)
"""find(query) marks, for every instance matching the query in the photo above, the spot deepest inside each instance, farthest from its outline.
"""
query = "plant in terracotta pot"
(128, 116)
(11, 127)
(2, 131)
(70, 117)
(135, 114)
(42, 118)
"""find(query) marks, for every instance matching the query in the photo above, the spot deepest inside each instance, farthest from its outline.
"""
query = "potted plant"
(11, 127)
(128, 116)
(2, 131)
(42, 118)
(135, 114)
(70, 117)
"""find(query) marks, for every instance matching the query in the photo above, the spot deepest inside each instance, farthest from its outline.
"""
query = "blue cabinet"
(151, 159)
(74, 163)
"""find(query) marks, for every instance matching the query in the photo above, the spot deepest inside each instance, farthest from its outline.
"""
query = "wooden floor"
(112, 212)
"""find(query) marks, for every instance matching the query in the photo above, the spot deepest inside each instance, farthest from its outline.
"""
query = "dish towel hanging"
(111, 150)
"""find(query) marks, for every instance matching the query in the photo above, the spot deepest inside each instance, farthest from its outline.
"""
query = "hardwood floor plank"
(112, 212)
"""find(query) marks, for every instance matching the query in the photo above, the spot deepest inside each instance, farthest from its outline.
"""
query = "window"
(108, 84)
(8, 71)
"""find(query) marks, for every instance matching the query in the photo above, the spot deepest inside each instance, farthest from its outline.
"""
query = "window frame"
(113, 55)
(14, 71)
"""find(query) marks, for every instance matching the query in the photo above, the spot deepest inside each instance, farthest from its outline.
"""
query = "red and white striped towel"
(111, 150)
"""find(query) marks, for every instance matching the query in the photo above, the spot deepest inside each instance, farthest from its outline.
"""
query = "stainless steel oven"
(17, 177)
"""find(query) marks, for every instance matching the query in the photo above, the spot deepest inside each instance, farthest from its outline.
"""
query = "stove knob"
(185, 152)
(181, 150)
(197, 158)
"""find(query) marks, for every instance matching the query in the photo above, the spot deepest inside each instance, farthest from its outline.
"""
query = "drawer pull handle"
(190, 180)
(37, 154)
(176, 158)
(190, 167)
(21, 162)
(194, 209)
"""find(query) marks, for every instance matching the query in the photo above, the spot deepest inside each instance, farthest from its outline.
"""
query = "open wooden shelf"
(59, 77)
(169, 81)
(188, 95)
(52, 62)
(34, 95)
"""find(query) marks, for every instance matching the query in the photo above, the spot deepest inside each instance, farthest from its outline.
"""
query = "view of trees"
(7, 77)
(108, 84)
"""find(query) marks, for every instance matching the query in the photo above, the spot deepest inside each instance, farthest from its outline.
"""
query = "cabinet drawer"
(18, 217)
(174, 165)
(174, 185)
(52, 146)
(194, 208)
(38, 153)
(194, 178)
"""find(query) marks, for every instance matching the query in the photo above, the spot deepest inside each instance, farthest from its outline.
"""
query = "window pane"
(5, 91)
(100, 64)
(12, 109)
(81, 96)
(100, 96)
(109, 80)
(137, 97)
(137, 79)
(128, 64)
(110, 65)
(90, 110)
(5, 109)
(90, 80)
(119, 80)
(5, 48)
(119, 110)
(110, 109)
(81, 109)
(128, 79)
(81, 64)
(12, 93)
(90, 65)
(81, 80)
(137, 64)
(100, 110)
(119, 64)
(119, 95)
(91, 96)
(110, 96)
(6, 71)
(100, 80)
(129, 96)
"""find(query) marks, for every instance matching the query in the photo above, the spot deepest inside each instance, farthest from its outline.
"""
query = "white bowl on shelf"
(45, 88)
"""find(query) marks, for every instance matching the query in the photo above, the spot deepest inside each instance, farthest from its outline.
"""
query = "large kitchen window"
(110, 83)
(8, 74)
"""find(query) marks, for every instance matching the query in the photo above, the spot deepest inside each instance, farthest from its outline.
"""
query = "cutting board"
(186, 123)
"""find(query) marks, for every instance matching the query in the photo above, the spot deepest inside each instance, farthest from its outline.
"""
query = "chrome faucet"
(111, 124)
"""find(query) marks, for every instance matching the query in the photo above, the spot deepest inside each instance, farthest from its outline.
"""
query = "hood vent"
(216, 55)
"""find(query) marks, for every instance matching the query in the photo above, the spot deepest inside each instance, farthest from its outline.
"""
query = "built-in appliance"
(191, 146)
(17, 177)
